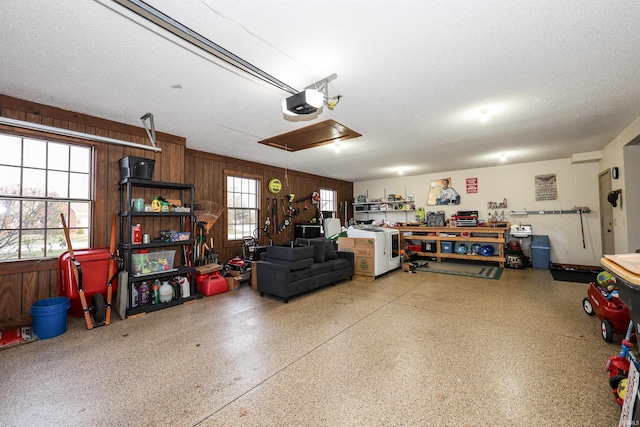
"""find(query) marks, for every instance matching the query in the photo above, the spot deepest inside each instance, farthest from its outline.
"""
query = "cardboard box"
(346, 243)
(364, 266)
(243, 276)
(254, 275)
(208, 268)
(364, 252)
(365, 243)
(233, 283)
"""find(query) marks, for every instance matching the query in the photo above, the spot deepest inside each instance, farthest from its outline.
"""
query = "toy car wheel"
(98, 307)
(607, 331)
(588, 308)
(614, 381)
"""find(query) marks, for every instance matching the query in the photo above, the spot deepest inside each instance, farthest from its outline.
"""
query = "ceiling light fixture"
(503, 158)
(484, 115)
(401, 171)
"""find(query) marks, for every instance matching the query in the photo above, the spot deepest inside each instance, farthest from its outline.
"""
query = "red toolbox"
(211, 284)
(94, 263)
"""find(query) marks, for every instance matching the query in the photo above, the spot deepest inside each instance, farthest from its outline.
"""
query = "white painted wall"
(626, 221)
(577, 186)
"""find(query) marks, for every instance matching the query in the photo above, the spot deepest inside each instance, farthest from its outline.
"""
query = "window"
(327, 200)
(242, 207)
(40, 180)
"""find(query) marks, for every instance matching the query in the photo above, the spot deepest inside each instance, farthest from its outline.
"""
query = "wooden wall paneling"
(30, 291)
(33, 118)
(44, 286)
(11, 290)
(217, 185)
(111, 179)
(14, 114)
(50, 280)
(22, 283)
(174, 163)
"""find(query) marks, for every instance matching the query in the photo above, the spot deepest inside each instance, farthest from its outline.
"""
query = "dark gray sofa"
(310, 264)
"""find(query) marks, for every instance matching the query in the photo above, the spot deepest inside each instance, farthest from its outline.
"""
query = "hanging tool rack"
(551, 211)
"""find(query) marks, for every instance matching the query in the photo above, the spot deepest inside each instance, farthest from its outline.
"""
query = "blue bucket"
(50, 317)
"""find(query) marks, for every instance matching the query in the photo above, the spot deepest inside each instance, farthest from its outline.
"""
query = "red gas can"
(211, 284)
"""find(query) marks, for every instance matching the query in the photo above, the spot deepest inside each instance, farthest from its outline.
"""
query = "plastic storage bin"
(428, 247)
(446, 247)
(540, 249)
(152, 262)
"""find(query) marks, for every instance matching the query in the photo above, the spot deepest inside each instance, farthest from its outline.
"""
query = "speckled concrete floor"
(405, 350)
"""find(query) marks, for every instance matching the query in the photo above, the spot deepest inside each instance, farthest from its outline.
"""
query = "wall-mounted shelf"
(551, 212)
(384, 206)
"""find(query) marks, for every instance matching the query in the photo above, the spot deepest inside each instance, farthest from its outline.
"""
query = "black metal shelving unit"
(185, 267)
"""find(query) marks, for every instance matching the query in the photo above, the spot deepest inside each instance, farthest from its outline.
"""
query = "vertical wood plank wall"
(24, 282)
(207, 172)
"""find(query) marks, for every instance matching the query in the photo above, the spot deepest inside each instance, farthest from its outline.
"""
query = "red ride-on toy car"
(607, 306)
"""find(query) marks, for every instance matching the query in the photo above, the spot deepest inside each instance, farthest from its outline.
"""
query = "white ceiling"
(558, 77)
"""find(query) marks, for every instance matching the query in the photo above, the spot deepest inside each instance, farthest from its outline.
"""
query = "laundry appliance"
(387, 245)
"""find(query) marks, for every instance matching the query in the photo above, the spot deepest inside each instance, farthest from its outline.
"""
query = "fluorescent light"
(74, 134)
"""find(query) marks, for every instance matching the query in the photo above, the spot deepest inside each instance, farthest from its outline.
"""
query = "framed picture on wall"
(546, 187)
(442, 193)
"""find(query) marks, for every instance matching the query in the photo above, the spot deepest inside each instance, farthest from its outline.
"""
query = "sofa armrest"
(272, 277)
(349, 256)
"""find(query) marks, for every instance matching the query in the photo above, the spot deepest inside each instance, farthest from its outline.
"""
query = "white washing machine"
(387, 245)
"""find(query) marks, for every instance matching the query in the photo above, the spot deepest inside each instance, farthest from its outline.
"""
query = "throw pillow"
(329, 251)
(318, 250)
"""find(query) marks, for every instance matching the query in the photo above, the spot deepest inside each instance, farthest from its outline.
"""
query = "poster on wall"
(472, 185)
(442, 193)
(546, 187)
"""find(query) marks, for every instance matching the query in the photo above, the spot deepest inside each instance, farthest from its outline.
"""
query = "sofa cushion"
(302, 274)
(321, 267)
(293, 265)
(329, 251)
(338, 264)
(286, 253)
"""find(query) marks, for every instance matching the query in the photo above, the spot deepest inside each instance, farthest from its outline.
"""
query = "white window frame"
(328, 200)
(243, 202)
(34, 194)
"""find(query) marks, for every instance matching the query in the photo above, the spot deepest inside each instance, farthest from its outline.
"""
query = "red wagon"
(613, 313)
